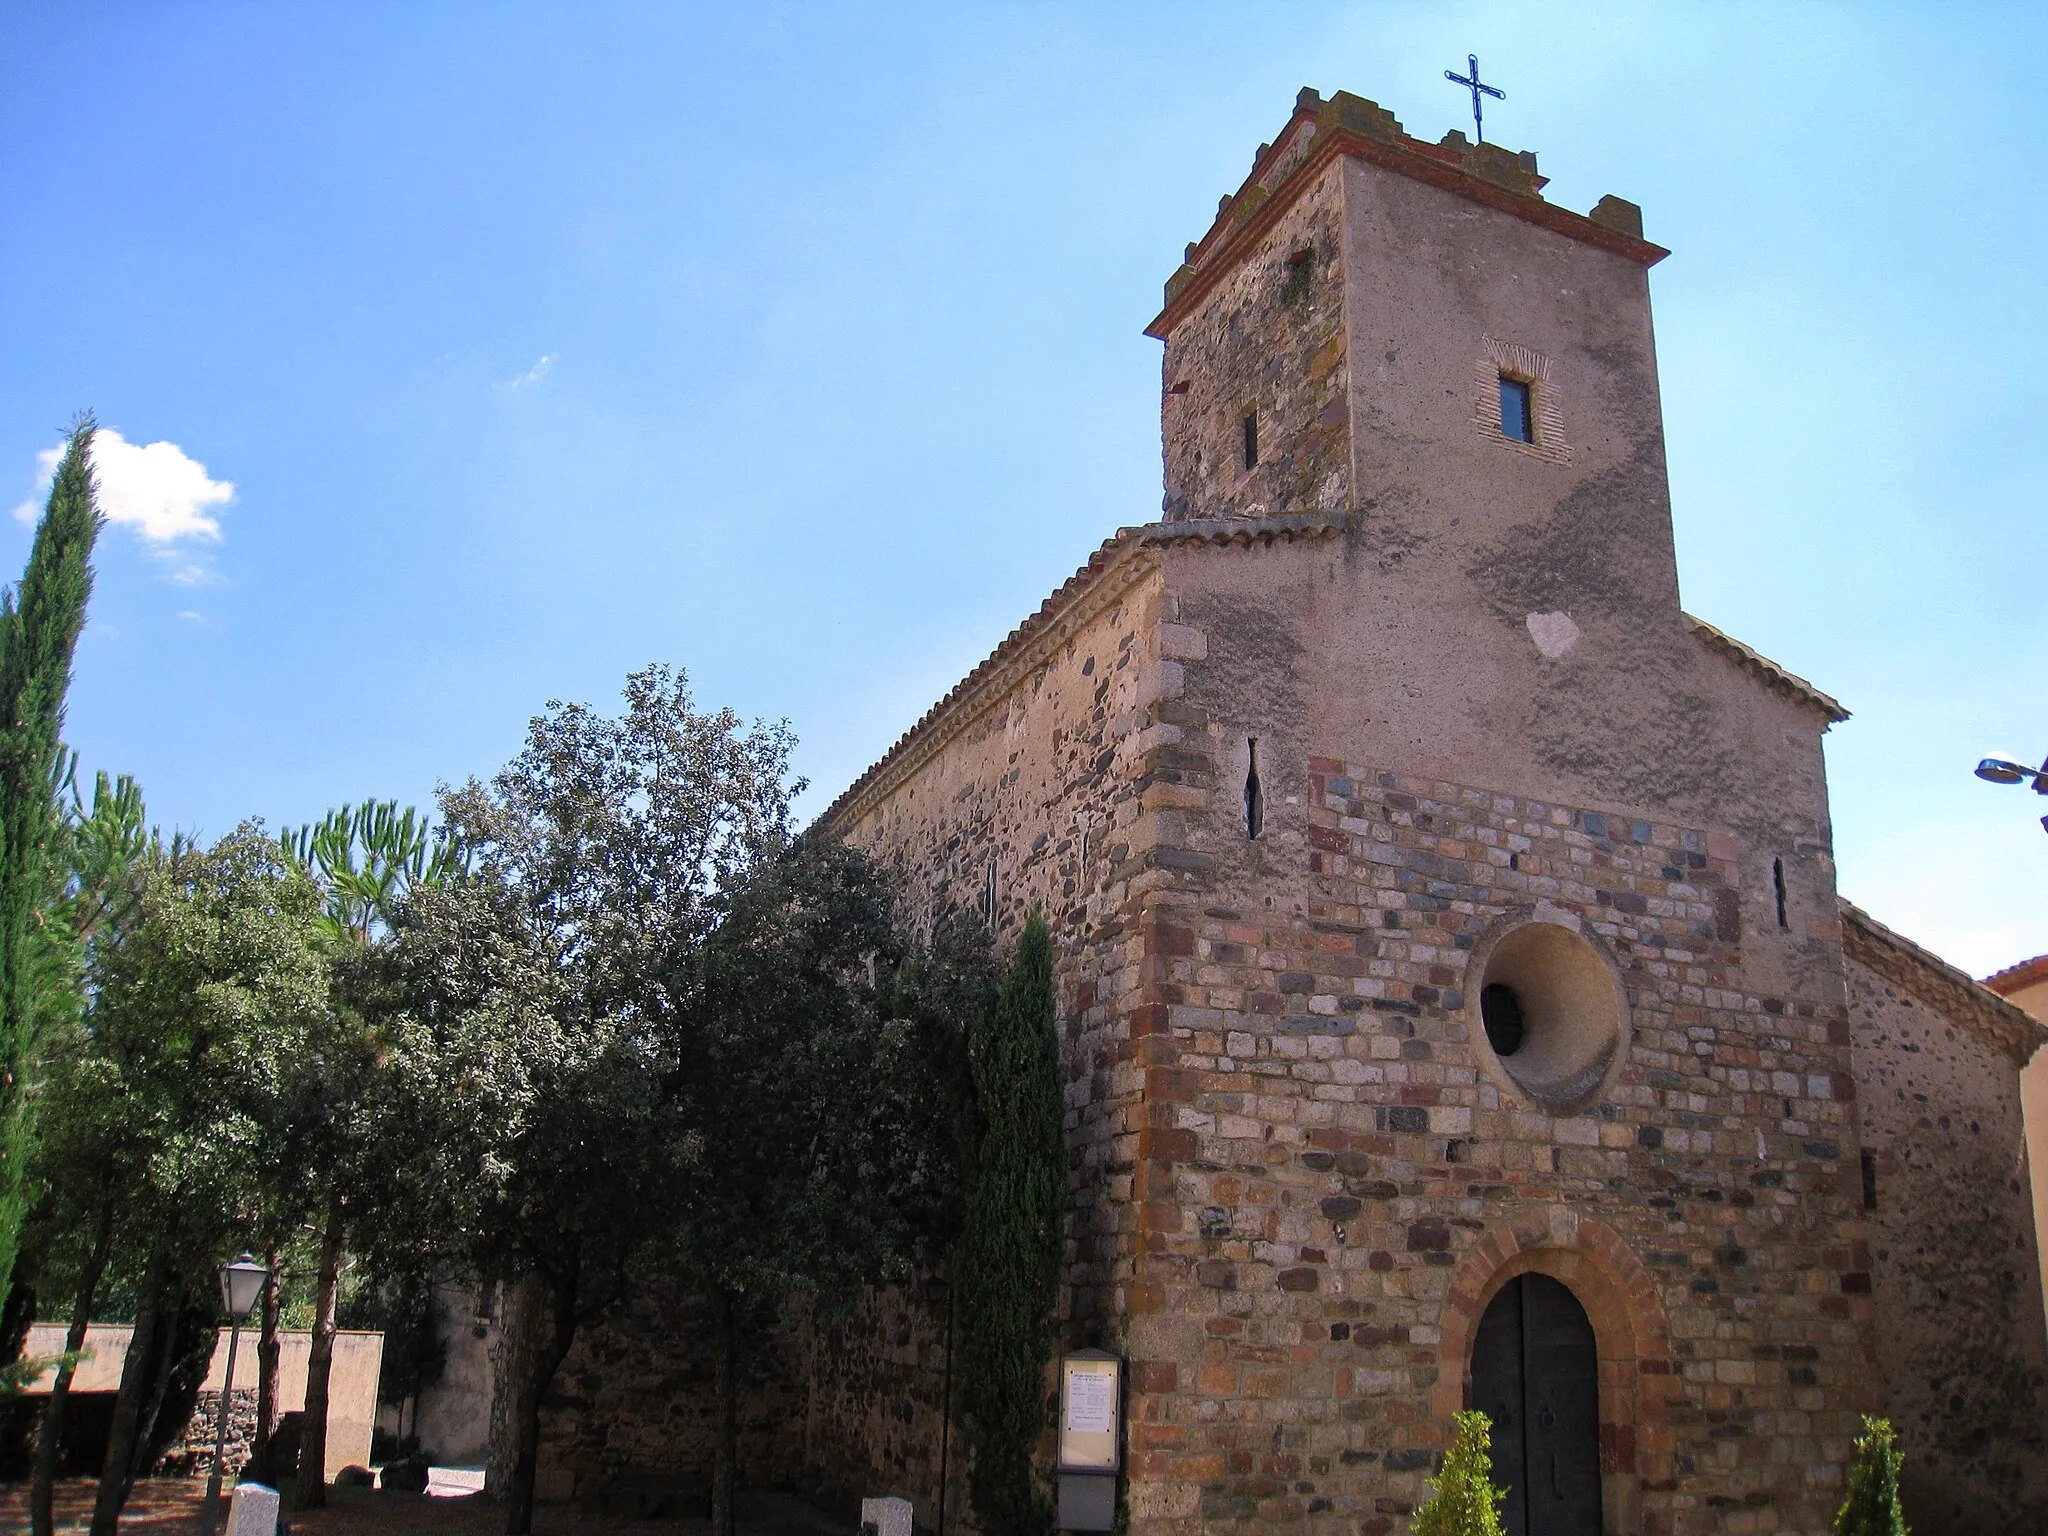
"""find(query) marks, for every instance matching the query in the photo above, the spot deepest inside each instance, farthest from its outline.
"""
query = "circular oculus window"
(1553, 1013)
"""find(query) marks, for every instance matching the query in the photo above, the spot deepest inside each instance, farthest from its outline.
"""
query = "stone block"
(252, 1511)
(885, 1517)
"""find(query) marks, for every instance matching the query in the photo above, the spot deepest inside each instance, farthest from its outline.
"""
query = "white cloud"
(534, 374)
(157, 489)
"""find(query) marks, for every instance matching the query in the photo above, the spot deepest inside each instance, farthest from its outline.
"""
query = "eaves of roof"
(2016, 978)
(1112, 570)
(1952, 992)
(1761, 666)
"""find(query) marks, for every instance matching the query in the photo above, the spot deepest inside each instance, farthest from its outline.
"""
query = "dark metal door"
(1535, 1374)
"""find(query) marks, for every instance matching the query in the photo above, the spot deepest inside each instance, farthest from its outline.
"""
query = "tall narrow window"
(1870, 1181)
(1516, 419)
(988, 897)
(1778, 889)
(1254, 793)
(1251, 440)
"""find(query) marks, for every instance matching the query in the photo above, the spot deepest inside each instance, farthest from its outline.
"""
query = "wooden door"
(1535, 1374)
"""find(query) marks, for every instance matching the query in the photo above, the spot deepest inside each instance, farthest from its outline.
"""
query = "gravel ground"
(171, 1507)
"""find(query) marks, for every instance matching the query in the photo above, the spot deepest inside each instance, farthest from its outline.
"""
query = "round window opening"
(1553, 1013)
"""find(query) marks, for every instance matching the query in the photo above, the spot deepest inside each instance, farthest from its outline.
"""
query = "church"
(1459, 1009)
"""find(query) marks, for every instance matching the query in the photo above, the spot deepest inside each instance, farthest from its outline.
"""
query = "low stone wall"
(191, 1454)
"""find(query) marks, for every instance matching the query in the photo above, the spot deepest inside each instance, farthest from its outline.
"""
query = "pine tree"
(1872, 1507)
(1462, 1498)
(39, 625)
(1011, 1245)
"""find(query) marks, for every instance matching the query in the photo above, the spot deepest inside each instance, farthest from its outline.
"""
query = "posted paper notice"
(1091, 1402)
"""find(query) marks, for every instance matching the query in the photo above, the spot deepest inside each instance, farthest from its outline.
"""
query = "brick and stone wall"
(1961, 1350)
(1343, 1183)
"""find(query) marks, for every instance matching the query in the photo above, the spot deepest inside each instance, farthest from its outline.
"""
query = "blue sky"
(799, 345)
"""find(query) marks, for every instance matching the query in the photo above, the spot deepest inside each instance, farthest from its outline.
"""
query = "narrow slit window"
(1778, 889)
(988, 897)
(1517, 421)
(1870, 1181)
(1251, 440)
(1254, 792)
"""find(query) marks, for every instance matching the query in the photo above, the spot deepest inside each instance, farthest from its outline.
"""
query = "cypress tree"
(39, 625)
(1011, 1242)
(1872, 1507)
(1462, 1498)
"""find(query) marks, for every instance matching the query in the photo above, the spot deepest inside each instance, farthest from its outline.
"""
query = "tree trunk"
(725, 1347)
(19, 1313)
(309, 1488)
(42, 1514)
(185, 1338)
(522, 1307)
(136, 1373)
(555, 1336)
(267, 1352)
(172, 1341)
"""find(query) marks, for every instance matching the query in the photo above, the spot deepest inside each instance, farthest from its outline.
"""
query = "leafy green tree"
(539, 1007)
(1462, 1498)
(1872, 1507)
(366, 859)
(39, 625)
(85, 1157)
(1010, 1248)
(198, 1009)
(819, 1152)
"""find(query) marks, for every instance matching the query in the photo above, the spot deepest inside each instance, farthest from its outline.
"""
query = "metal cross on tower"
(1479, 89)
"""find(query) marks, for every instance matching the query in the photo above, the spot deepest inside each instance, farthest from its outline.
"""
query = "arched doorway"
(1536, 1375)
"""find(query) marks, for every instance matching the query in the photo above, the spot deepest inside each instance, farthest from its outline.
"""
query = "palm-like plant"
(366, 859)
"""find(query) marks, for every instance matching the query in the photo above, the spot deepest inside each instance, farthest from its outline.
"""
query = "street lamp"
(2002, 769)
(240, 1284)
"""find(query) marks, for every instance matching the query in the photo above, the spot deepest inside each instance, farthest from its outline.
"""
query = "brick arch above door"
(1637, 1376)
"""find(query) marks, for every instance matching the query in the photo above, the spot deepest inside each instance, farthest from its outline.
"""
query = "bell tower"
(1374, 320)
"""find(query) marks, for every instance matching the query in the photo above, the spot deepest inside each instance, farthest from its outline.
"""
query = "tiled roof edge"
(1761, 666)
(958, 707)
(2014, 977)
(1959, 996)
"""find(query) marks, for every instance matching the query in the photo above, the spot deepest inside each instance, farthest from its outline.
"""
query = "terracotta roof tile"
(1762, 666)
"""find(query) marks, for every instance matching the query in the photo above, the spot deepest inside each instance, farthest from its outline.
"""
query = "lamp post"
(240, 1284)
(2004, 770)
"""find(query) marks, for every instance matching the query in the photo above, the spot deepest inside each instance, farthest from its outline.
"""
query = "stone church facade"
(1448, 938)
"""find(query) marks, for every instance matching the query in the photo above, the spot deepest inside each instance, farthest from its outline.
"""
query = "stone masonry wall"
(1343, 1184)
(873, 1378)
(1961, 1349)
(1269, 339)
(1035, 780)
(634, 1403)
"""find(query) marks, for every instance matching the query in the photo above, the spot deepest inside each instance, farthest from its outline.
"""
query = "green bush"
(1872, 1507)
(1462, 1498)
(1010, 1247)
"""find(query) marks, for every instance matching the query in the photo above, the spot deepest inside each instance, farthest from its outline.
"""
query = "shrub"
(1872, 1507)
(1462, 1498)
